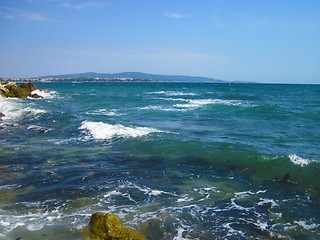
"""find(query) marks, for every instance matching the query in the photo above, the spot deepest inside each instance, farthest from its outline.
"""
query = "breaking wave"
(101, 131)
(105, 112)
(298, 160)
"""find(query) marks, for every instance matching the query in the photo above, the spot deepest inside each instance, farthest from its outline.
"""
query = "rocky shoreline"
(24, 90)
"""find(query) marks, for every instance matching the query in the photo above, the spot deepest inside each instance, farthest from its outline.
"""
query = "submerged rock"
(152, 229)
(24, 90)
(107, 226)
(1, 115)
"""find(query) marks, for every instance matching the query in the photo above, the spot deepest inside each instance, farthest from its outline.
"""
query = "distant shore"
(55, 80)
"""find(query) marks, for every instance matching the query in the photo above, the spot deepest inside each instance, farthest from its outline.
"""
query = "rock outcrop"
(24, 90)
(107, 226)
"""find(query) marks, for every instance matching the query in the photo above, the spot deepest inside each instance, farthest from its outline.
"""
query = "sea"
(171, 160)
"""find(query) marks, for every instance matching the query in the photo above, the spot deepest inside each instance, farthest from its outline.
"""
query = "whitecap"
(161, 108)
(101, 131)
(35, 111)
(38, 128)
(44, 93)
(196, 103)
(174, 93)
(179, 234)
(149, 191)
(271, 202)
(105, 112)
(307, 226)
(14, 109)
(185, 198)
(11, 109)
(298, 160)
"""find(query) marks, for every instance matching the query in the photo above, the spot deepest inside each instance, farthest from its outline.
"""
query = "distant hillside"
(138, 75)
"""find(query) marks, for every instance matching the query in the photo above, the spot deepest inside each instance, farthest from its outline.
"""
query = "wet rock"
(28, 86)
(24, 90)
(286, 177)
(152, 229)
(1, 115)
(107, 226)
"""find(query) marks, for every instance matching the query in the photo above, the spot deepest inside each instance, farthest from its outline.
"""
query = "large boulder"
(24, 90)
(107, 226)
(28, 86)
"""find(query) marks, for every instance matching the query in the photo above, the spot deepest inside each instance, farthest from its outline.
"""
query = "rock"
(36, 96)
(152, 229)
(28, 86)
(1, 115)
(24, 90)
(107, 226)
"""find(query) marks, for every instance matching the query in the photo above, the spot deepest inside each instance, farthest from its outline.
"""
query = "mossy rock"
(24, 90)
(107, 226)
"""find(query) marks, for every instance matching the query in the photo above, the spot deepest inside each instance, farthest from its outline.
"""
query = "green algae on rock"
(107, 226)
(24, 90)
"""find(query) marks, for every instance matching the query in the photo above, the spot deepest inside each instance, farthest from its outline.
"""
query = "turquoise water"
(172, 160)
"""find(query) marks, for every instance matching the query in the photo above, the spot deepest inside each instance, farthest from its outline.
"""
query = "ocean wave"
(162, 108)
(196, 103)
(307, 226)
(191, 104)
(15, 109)
(38, 128)
(44, 93)
(299, 160)
(10, 108)
(105, 131)
(174, 93)
(105, 112)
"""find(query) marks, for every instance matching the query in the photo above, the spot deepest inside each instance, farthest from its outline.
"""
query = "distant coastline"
(118, 77)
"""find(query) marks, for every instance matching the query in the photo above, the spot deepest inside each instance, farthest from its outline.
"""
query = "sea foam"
(100, 130)
(44, 93)
(299, 160)
(174, 93)
(105, 112)
(11, 109)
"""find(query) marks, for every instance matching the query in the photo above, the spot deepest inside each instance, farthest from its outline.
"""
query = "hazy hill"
(138, 75)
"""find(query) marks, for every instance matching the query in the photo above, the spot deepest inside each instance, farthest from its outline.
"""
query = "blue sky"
(247, 40)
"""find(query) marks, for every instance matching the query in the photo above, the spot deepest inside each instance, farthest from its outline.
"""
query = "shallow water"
(172, 160)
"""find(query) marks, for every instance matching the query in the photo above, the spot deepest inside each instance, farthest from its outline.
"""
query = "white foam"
(100, 130)
(38, 128)
(264, 201)
(149, 191)
(307, 226)
(196, 103)
(34, 226)
(179, 234)
(185, 198)
(11, 108)
(105, 112)
(231, 231)
(160, 108)
(174, 93)
(14, 109)
(34, 111)
(4, 223)
(298, 160)
(44, 93)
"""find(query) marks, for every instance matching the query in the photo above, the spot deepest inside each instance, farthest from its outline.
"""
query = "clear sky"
(246, 40)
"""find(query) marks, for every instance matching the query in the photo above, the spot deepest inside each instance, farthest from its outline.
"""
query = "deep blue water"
(172, 160)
